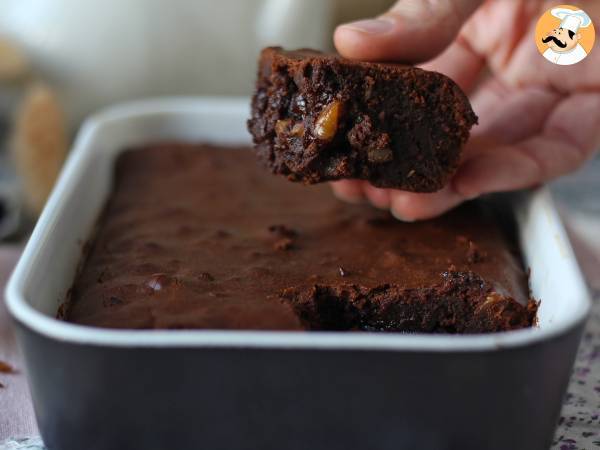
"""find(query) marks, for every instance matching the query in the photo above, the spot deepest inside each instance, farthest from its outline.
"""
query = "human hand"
(537, 120)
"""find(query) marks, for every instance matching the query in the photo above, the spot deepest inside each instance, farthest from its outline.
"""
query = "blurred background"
(61, 60)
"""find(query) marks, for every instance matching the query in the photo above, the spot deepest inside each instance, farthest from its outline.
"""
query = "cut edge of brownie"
(461, 303)
(318, 117)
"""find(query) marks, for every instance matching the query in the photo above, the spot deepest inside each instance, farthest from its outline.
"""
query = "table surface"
(579, 424)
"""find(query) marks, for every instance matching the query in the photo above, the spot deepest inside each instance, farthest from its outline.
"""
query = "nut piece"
(380, 155)
(282, 126)
(297, 130)
(327, 122)
(493, 299)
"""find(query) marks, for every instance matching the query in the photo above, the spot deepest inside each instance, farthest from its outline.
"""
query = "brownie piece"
(221, 246)
(318, 117)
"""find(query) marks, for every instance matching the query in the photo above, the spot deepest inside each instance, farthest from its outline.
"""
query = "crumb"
(474, 254)
(6, 368)
(100, 278)
(61, 313)
(283, 244)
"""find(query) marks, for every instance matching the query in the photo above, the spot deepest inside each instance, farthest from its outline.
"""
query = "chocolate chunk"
(205, 276)
(282, 230)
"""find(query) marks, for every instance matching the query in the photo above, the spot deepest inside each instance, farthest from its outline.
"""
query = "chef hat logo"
(565, 35)
(571, 20)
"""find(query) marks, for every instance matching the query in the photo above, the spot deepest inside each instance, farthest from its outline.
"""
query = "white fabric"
(566, 58)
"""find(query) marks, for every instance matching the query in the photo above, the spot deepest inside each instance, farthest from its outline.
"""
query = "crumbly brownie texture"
(318, 117)
(198, 237)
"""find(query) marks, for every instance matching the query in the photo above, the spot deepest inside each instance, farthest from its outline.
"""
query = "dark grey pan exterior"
(95, 397)
(103, 389)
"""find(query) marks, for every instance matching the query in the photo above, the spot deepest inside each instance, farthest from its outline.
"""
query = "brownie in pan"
(198, 237)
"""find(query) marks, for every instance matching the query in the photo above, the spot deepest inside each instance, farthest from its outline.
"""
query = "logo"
(565, 35)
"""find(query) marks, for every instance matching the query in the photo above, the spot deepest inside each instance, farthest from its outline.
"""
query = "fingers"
(410, 206)
(523, 113)
(350, 191)
(504, 169)
(459, 62)
(357, 191)
(405, 206)
(576, 120)
(411, 31)
(565, 140)
(380, 198)
(568, 138)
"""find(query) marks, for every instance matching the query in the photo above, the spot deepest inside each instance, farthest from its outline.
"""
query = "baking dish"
(108, 389)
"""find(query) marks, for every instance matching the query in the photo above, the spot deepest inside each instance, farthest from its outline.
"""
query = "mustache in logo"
(556, 41)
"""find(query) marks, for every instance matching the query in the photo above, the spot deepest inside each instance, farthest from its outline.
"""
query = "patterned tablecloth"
(579, 425)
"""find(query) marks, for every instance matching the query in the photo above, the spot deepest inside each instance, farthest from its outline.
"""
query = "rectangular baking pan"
(108, 389)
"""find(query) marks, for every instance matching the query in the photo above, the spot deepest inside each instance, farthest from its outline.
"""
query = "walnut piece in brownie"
(221, 246)
(318, 117)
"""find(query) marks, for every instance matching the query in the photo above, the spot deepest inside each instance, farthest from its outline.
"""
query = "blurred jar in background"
(97, 52)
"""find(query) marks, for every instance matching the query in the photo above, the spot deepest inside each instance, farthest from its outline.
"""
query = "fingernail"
(371, 26)
(400, 217)
(357, 200)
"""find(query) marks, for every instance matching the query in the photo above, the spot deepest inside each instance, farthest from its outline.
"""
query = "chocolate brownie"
(221, 246)
(318, 117)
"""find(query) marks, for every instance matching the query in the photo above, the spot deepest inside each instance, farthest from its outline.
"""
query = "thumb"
(412, 31)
